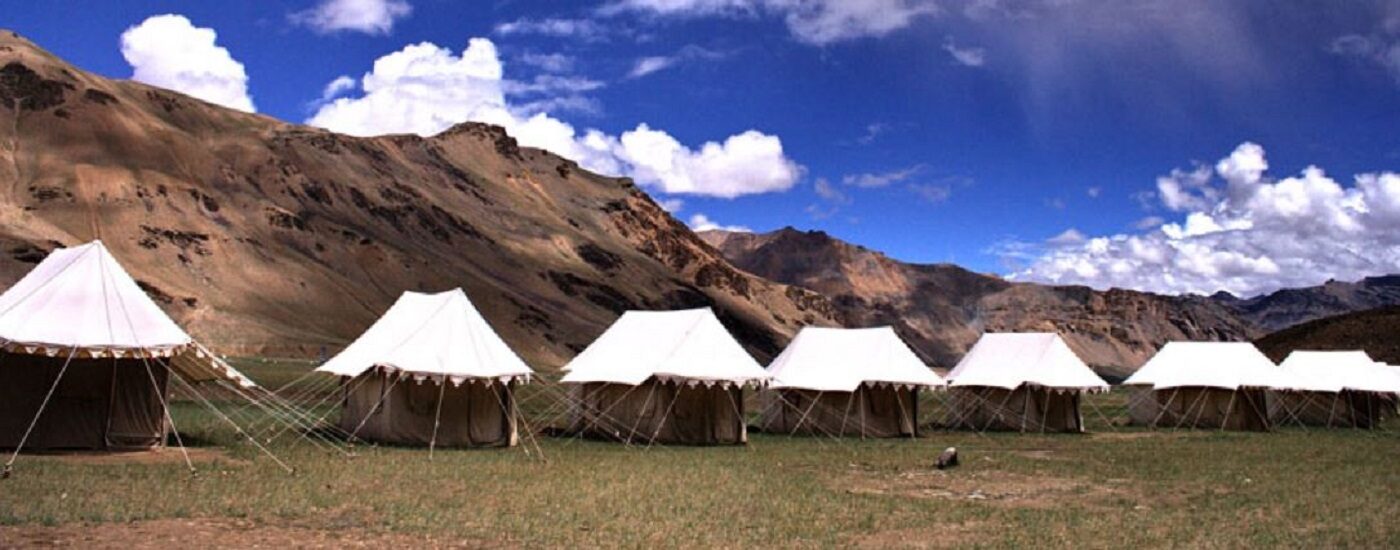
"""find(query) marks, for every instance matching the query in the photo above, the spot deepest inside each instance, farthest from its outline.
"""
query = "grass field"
(1116, 487)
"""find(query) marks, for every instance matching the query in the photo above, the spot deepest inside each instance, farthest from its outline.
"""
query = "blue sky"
(1035, 139)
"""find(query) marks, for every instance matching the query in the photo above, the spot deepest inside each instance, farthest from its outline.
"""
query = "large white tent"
(663, 376)
(1020, 381)
(838, 381)
(1207, 385)
(89, 358)
(1335, 389)
(441, 339)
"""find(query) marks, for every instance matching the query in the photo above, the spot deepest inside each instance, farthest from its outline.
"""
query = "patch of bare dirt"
(167, 455)
(991, 486)
(213, 533)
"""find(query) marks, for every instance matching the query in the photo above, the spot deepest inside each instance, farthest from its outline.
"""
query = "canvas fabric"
(1026, 409)
(842, 360)
(1243, 409)
(401, 410)
(870, 411)
(100, 404)
(660, 412)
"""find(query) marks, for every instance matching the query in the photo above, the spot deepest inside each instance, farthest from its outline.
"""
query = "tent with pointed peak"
(1020, 381)
(1336, 389)
(1217, 385)
(663, 377)
(846, 382)
(88, 357)
(441, 339)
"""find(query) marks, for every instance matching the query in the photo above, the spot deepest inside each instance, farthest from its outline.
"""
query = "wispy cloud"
(551, 62)
(815, 22)
(656, 63)
(881, 179)
(650, 64)
(969, 56)
(873, 131)
(582, 29)
(932, 193)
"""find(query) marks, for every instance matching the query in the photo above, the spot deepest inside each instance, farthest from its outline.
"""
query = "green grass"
(1292, 487)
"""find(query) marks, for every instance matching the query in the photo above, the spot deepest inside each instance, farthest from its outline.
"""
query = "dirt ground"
(213, 533)
(169, 455)
(993, 486)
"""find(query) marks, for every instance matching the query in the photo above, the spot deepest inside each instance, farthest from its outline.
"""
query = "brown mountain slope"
(1376, 331)
(266, 237)
(941, 309)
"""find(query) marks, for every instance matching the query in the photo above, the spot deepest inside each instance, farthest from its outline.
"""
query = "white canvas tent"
(663, 376)
(1207, 385)
(1335, 389)
(1020, 381)
(89, 357)
(838, 381)
(441, 339)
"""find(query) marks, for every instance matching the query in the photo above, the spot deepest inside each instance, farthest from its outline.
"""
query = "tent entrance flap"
(388, 409)
(100, 404)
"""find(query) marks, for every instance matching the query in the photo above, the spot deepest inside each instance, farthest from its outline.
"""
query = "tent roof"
(688, 345)
(80, 297)
(1333, 371)
(431, 335)
(1008, 360)
(837, 359)
(1225, 365)
(79, 302)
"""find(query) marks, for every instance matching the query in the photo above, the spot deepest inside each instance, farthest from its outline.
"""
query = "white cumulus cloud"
(170, 52)
(366, 16)
(425, 88)
(1243, 232)
(747, 163)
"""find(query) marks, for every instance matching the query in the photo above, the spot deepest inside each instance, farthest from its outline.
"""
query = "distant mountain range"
(1377, 331)
(1291, 306)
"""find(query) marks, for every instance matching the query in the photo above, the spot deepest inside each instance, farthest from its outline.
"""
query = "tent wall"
(1323, 409)
(403, 411)
(666, 413)
(1193, 407)
(1367, 409)
(866, 412)
(1026, 409)
(100, 404)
